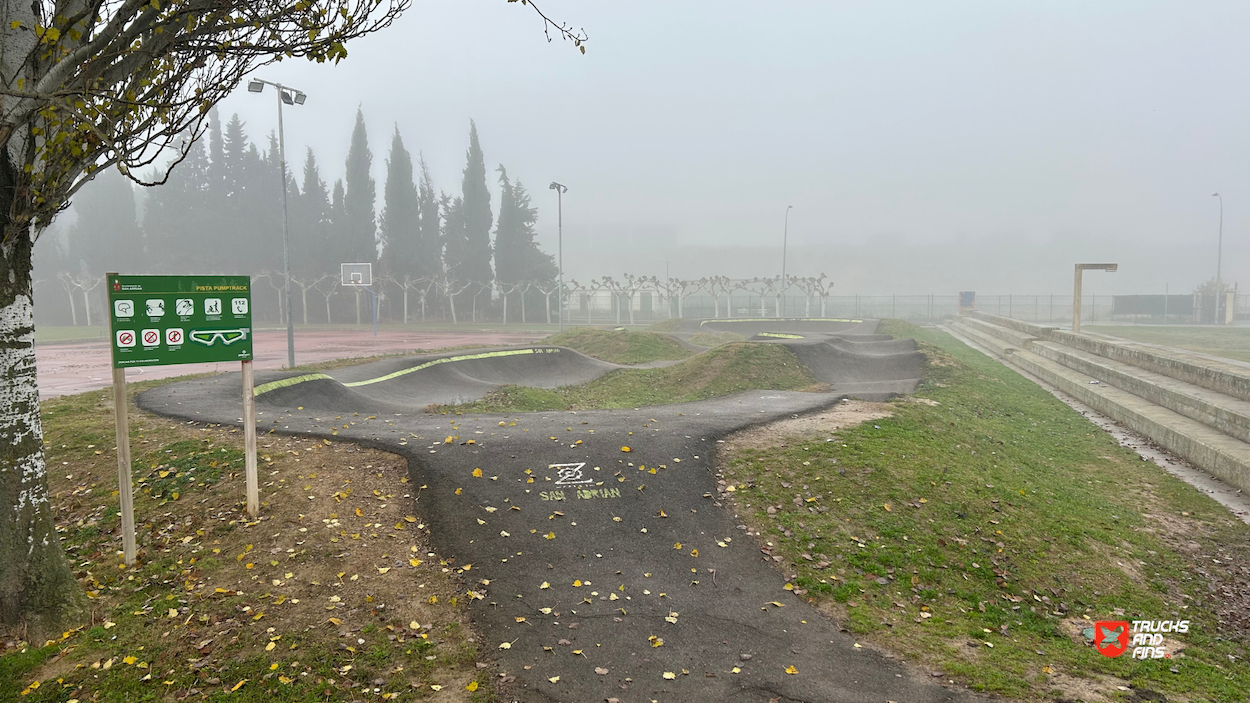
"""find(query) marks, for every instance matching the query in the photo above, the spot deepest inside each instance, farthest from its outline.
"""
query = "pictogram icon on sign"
(125, 338)
(156, 307)
(151, 338)
(184, 306)
(123, 308)
(173, 336)
(212, 306)
(238, 306)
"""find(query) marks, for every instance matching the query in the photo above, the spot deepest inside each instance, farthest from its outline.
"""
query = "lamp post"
(1076, 290)
(560, 190)
(785, 236)
(290, 96)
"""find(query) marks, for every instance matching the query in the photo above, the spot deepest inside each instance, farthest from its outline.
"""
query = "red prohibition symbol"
(151, 338)
(127, 338)
(175, 337)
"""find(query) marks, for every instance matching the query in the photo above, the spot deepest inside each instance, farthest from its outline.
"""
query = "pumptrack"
(576, 535)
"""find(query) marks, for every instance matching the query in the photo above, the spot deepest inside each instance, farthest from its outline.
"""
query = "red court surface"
(74, 367)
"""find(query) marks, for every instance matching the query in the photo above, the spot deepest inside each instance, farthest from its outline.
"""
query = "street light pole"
(785, 237)
(560, 190)
(289, 96)
(1219, 252)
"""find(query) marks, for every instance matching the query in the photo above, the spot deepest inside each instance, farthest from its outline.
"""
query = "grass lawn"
(721, 371)
(714, 339)
(68, 333)
(980, 534)
(1228, 342)
(332, 594)
(621, 347)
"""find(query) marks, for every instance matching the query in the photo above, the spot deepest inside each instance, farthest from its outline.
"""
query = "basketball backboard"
(357, 274)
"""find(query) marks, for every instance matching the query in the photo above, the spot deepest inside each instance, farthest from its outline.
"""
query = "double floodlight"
(1097, 267)
(289, 96)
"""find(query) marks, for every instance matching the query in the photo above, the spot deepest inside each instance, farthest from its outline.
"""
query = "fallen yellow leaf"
(626, 449)
(791, 670)
(477, 473)
(238, 685)
(554, 679)
(129, 660)
(670, 675)
(471, 687)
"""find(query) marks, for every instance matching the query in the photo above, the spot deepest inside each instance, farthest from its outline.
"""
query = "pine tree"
(360, 229)
(475, 265)
(518, 260)
(400, 223)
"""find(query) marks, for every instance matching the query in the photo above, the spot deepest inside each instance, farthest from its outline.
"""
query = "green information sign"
(164, 320)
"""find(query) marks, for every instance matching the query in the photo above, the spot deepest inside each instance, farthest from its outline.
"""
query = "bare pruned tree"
(327, 287)
(304, 286)
(84, 283)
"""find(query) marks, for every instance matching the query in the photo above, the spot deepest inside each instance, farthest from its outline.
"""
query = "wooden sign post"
(164, 320)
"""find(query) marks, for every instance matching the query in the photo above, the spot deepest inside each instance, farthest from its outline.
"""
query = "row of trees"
(220, 212)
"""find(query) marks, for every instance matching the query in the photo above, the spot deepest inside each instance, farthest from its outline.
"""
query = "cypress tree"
(311, 248)
(429, 238)
(359, 226)
(400, 223)
(106, 236)
(475, 208)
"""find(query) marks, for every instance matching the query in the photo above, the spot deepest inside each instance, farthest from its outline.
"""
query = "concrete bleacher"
(1194, 406)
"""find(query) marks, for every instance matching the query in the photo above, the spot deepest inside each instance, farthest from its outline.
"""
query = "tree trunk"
(303, 303)
(523, 321)
(358, 306)
(547, 299)
(37, 588)
(822, 305)
(452, 299)
(86, 305)
(681, 309)
(630, 302)
(505, 306)
(807, 306)
(423, 306)
(327, 309)
(73, 309)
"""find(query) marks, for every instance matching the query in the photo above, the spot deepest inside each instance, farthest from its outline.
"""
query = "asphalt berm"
(603, 567)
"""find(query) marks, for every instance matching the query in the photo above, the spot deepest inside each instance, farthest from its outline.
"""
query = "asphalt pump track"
(572, 538)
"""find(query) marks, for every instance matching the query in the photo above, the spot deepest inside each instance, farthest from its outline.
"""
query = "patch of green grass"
(621, 347)
(714, 339)
(68, 333)
(722, 371)
(1000, 517)
(669, 325)
(1228, 342)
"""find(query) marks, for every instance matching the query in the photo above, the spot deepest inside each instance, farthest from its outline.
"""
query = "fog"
(926, 147)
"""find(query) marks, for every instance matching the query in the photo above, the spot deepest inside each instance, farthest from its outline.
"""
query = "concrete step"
(997, 345)
(1216, 410)
(1014, 337)
(1207, 448)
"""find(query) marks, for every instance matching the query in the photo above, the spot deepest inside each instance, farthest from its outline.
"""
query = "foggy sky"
(926, 147)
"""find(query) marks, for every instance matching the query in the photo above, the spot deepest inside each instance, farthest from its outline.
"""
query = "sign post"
(166, 320)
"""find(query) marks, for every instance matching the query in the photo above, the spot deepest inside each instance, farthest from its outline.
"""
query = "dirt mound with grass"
(721, 371)
(621, 347)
